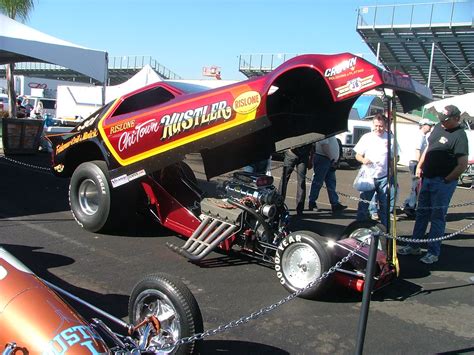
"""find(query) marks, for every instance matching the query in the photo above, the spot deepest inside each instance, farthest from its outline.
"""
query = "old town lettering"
(127, 139)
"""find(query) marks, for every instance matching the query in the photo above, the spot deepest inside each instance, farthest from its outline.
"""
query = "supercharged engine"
(249, 213)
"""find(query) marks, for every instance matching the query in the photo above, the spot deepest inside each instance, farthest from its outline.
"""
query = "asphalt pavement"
(428, 309)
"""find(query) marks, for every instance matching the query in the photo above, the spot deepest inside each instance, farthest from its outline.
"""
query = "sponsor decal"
(287, 241)
(78, 335)
(86, 123)
(129, 138)
(37, 85)
(124, 179)
(59, 168)
(348, 64)
(119, 181)
(247, 102)
(443, 140)
(397, 80)
(77, 139)
(179, 122)
(122, 126)
(136, 175)
(355, 85)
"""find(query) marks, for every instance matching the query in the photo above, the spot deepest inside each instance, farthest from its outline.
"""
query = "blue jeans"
(323, 173)
(381, 187)
(434, 193)
(373, 202)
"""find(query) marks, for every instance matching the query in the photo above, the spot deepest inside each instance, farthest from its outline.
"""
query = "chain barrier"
(437, 239)
(358, 199)
(27, 165)
(254, 315)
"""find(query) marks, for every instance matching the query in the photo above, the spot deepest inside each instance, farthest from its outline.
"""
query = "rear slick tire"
(301, 258)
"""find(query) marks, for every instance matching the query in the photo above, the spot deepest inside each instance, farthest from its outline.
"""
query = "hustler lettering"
(184, 121)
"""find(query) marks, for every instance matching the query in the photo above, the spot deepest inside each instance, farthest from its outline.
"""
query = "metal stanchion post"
(368, 286)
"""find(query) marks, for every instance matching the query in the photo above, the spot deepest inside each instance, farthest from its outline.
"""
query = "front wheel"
(302, 258)
(173, 304)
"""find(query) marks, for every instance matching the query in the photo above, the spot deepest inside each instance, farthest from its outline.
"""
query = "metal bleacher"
(120, 69)
(432, 42)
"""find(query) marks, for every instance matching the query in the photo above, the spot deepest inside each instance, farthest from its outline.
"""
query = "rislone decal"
(247, 102)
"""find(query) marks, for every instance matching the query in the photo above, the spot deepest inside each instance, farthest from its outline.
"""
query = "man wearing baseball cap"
(441, 164)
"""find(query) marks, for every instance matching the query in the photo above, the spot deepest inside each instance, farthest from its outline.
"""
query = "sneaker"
(409, 211)
(338, 207)
(429, 258)
(409, 250)
(374, 217)
(312, 206)
(396, 218)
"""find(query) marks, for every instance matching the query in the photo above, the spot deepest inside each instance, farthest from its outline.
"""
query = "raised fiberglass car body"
(230, 126)
(132, 150)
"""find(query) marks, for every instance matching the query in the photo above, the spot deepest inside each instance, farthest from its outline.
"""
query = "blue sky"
(185, 35)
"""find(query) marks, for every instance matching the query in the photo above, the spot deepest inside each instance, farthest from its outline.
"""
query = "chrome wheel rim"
(154, 302)
(89, 197)
(301, 265)
(363, 235)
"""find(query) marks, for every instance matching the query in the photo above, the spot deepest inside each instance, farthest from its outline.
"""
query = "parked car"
(49, 104)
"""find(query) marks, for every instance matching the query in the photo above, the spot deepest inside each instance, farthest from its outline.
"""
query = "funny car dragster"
(34, 319)
(138, 141)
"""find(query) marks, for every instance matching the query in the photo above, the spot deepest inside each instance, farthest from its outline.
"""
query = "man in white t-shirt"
(372, 152)
(325, 157)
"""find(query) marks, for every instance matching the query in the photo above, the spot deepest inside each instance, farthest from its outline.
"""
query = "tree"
(16, 10)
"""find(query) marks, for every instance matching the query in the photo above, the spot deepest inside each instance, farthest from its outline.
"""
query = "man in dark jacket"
(301, 159)
(441, 164)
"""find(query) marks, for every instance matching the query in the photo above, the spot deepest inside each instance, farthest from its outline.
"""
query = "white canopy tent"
(465, 103)
(20, 43)
(73, 100)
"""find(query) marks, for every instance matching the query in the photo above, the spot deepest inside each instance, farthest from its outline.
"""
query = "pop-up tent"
(20, 43)
(463, 102)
